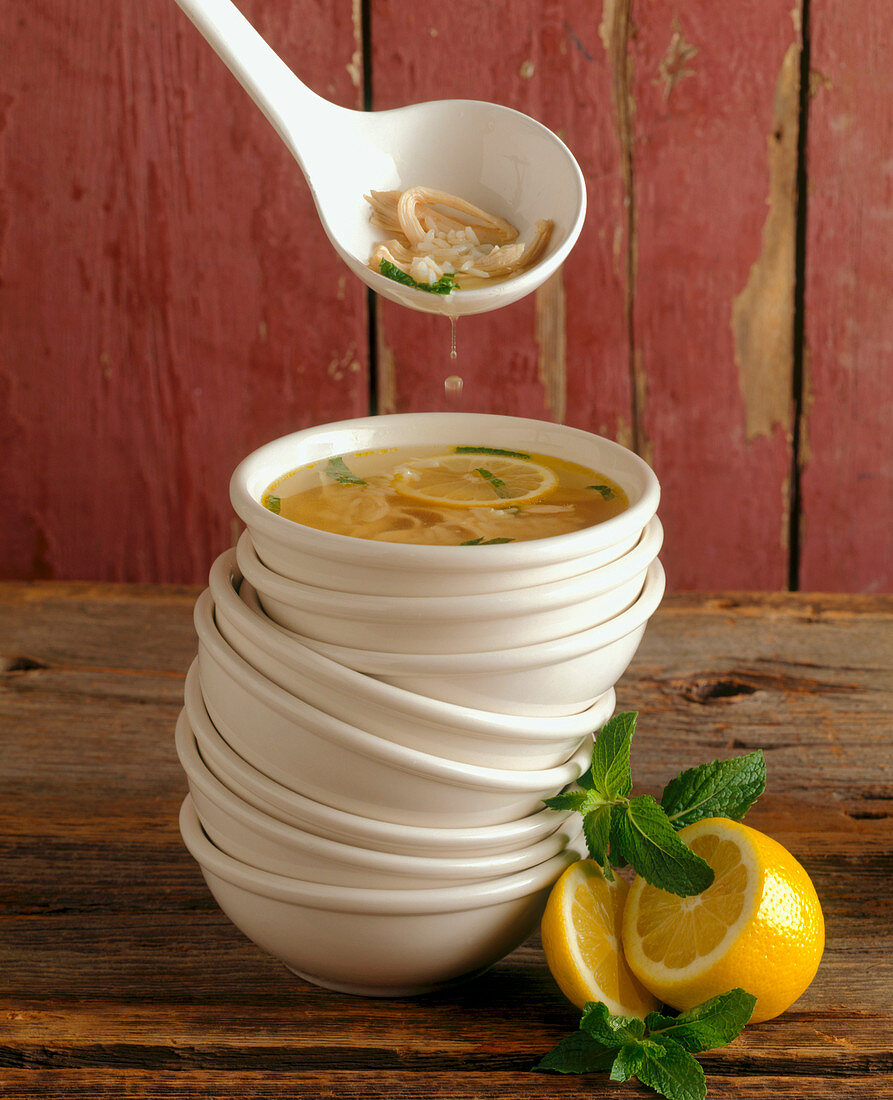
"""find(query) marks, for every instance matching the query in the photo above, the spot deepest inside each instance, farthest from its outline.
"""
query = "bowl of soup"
(423, 504)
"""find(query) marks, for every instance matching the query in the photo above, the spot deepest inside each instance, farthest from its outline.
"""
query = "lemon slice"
(759, 926)
(582, 941)
(473, 480)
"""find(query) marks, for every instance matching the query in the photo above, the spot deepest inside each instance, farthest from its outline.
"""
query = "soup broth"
(456, 496)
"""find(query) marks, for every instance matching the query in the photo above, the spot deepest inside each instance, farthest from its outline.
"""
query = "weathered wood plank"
(714, 161)
(846, 457)
(169, 299)
(347, 1084)
(121, 976)
(562, 354)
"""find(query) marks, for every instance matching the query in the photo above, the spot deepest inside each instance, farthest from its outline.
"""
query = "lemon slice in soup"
(474, 480)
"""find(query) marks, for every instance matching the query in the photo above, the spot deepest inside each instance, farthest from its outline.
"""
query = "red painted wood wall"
(168, 300)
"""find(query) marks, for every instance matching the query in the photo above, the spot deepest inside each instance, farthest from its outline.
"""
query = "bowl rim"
(277, 641)
(294, 802)
(400, 757)
(440, 558)
(504, 661)
(367, 901)
(501, 606)
(370, 859)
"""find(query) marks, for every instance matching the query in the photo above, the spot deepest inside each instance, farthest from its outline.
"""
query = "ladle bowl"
(491, 155)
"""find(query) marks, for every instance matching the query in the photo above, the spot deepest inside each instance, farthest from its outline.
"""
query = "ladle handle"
(295, 112)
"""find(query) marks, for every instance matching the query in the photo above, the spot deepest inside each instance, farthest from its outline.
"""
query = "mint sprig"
(624, 829)
(659, 1051)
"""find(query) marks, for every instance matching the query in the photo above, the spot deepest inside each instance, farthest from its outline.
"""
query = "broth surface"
(462, 495)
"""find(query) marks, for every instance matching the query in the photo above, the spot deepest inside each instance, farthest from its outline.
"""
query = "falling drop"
(453, 353)
(452, 387)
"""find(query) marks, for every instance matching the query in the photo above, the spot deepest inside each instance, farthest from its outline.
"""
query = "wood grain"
(122, 977)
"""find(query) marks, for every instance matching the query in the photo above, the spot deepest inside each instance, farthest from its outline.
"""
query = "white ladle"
(493, 156)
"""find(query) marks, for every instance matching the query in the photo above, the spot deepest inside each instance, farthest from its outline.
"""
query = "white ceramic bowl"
(276, 801)
(252, 836)
(558, 677)
(386, 943)
(341, 765)
(453, 624)
(457, 733)
(384, 568)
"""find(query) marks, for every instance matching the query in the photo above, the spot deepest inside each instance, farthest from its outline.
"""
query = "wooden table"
(120, 977)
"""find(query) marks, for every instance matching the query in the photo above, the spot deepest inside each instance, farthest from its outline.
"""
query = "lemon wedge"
(473, 480)
(581, 934)
(758, 927)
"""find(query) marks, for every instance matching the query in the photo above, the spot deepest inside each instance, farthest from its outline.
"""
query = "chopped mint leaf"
(491, 451)
(606, 491)
(723, 788)
(497, 484)
(273, 503)
(338, 470)
(712, 1024)
(578, 1053)
(481, 541)
(446, 284)
(651, 846)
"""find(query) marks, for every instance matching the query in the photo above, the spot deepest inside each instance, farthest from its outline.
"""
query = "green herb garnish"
(606, 491)
(485, 542)
(337, 469)
(491, 451)
(273, 503)
(498, 485)
(446, 284)
(658, 1050)
(621, 828)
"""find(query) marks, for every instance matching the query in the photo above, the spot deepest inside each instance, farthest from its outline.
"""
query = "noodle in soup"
(460, 496)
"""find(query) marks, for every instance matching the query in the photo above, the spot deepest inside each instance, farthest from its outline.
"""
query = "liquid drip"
(453, 353)
(452, 387)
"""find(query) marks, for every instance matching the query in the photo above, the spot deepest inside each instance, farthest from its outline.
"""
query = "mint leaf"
(610, 1030)
(597, 832)
(723, 788)
(568, 800)
(712, 1024)
(485, 542)
(273, 503)
(578, 1053)
(627, 1061)
(491, 451)
(496, 483)
(668, 1068)
(643, 835)
(610, 770)
(444, 285)
(606, 491)
(337, 469)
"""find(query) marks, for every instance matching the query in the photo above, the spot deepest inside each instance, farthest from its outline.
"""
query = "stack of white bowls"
(370, 728)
